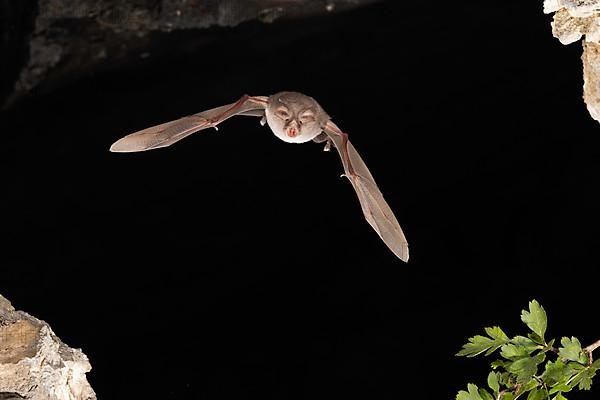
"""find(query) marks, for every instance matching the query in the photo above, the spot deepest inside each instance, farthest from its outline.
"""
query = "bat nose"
(292, 129)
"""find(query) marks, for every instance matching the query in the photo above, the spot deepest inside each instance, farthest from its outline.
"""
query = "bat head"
(294, 117)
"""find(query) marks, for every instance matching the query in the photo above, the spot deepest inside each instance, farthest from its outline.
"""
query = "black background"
(234, 265)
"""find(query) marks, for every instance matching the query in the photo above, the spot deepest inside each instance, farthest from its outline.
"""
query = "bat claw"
(327, 146)
(263, 120)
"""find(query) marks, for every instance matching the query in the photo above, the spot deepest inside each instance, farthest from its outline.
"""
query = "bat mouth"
(292, 132)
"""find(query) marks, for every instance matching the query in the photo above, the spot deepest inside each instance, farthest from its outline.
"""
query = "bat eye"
(283, 114)
(307, 116)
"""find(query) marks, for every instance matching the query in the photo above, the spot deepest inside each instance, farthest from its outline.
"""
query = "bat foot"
(212, 124)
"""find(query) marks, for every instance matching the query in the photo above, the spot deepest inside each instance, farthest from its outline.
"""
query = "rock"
(574, 20)
(569, 29)
(35, 364)
(48, 43)
(591, 78)
(576, 8)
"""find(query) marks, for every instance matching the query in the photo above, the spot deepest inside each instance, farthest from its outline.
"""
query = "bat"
(294, 118)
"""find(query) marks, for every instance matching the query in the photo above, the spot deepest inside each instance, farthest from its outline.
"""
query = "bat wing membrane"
(166, 134)
(375, 209)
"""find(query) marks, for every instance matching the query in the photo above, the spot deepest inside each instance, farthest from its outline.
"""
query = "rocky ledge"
(35, 364)
(575, 20)
(48, 43)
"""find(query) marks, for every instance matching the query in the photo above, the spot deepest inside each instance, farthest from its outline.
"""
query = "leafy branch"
(530, 365)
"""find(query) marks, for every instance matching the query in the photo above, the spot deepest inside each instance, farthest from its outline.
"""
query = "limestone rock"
(569, 29)
(35, 364)
(576, 8)
(591, 78)
(48, 43)
(574, 20)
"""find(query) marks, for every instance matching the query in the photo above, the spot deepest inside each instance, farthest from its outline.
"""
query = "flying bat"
(294, 118)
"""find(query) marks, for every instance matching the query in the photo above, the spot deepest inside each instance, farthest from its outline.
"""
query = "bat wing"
(166, 134)
(374, 207)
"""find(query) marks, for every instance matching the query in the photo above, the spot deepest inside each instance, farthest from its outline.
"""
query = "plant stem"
(589, 349)
(575, 376)
(592, 346)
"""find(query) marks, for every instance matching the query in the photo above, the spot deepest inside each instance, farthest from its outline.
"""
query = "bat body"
(294, 118)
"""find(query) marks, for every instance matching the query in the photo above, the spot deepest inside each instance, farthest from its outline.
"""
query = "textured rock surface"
(574, 20)
(50, 42)
(568, 28)
(591, 78)
(576, 8)
(35, 364)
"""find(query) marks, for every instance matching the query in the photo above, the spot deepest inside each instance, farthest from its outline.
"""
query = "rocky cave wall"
(48, 43)
(35, 364)
(575, 20)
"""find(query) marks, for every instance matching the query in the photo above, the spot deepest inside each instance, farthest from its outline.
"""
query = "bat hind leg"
(322, 137)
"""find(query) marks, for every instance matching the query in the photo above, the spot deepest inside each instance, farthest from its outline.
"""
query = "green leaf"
(575, 366)
(479, 344)
(586, 381)
(525, 368)
(492, 382)
(555, 372)
(560, 388)
(536, 338)
(485, 395)
(507, 396)
(583, 379)
(535, 318)
(495, 332)
(532, 384)
(571, 350)
(596, 364)
(536, 394)
(511, 351)
(500, 338)
(519, 346)
(559, 397)
(549, 346)
(524, 388)
(472, 394)
(526, 344)
(504, 379)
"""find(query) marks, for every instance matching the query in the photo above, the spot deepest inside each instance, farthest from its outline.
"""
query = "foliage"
(530, 367)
